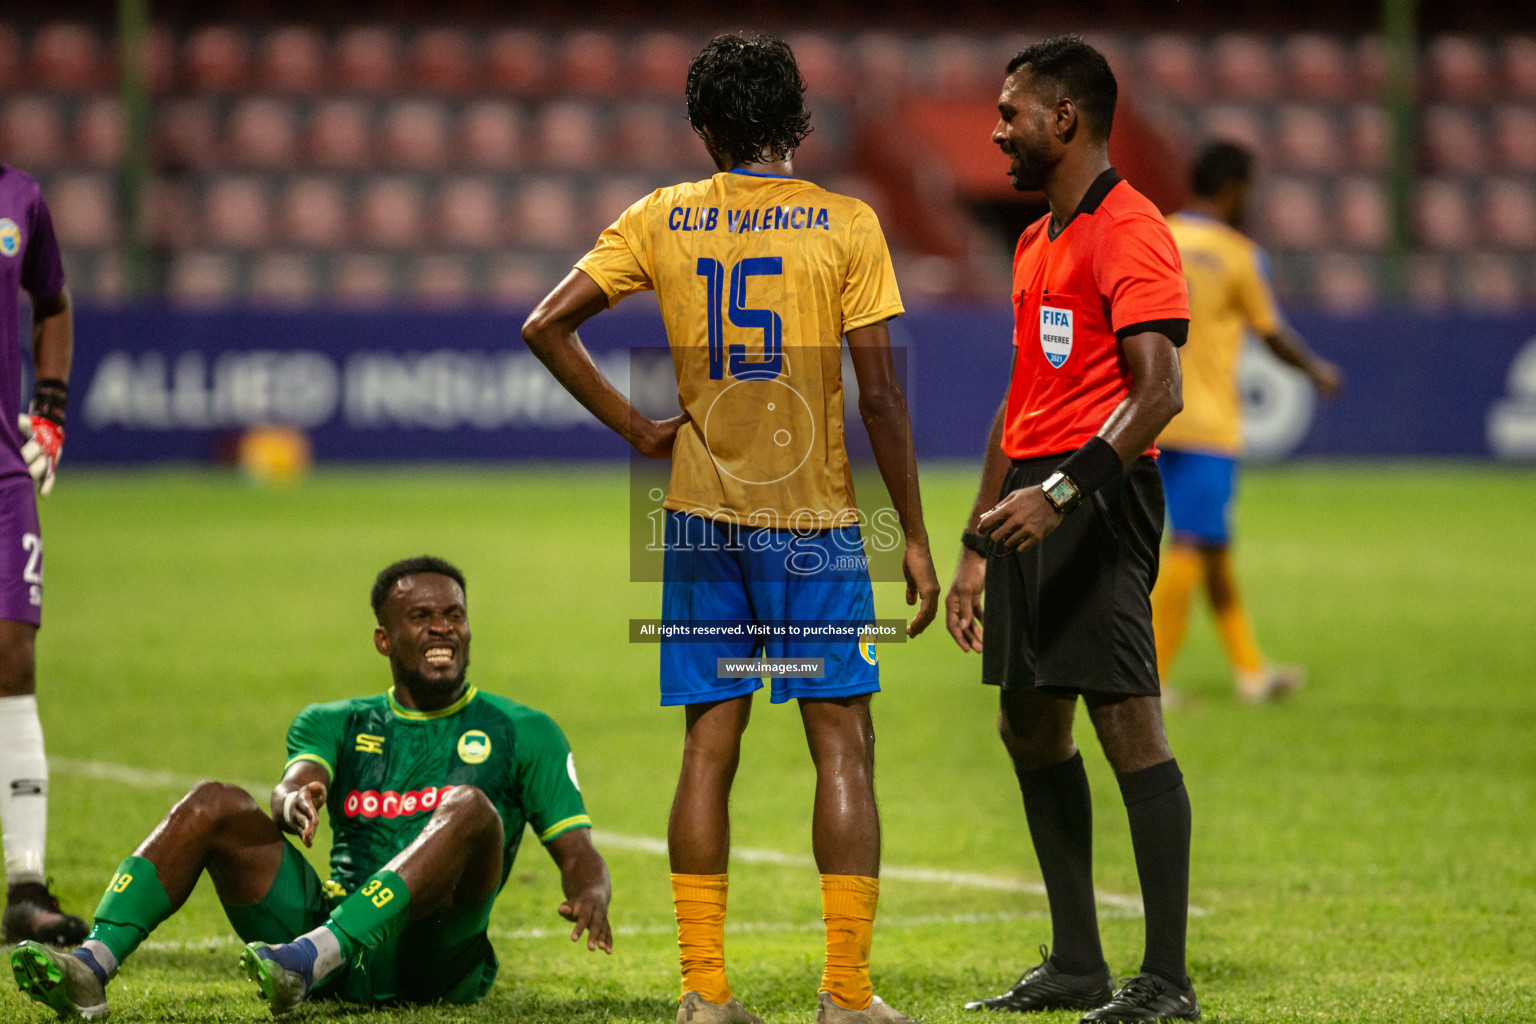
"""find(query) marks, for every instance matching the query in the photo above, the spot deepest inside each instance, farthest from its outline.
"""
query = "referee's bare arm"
(962, 605)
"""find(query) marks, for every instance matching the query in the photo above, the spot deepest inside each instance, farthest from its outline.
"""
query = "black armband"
(1092, 466)
(50, 397)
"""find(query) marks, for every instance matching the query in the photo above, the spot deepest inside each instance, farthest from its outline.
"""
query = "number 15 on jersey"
(739, 364)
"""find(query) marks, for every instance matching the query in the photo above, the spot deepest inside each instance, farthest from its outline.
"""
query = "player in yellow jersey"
(760, 275)
(1229, 295)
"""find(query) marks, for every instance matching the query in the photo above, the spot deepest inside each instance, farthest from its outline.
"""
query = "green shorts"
(444, 957)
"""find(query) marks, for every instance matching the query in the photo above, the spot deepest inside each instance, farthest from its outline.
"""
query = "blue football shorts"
(1200, 488)
(720, 573)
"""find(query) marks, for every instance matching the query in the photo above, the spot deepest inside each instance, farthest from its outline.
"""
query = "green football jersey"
(390, 766)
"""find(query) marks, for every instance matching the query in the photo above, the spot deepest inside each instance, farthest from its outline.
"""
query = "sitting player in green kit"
(429, 786)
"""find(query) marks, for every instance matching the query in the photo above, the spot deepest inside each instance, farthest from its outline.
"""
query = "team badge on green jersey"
(474, 747)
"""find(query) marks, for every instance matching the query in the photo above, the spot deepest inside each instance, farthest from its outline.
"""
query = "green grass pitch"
(1363, 852)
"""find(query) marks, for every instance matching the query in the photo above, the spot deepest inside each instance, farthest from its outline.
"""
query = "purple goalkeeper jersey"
(29, 259)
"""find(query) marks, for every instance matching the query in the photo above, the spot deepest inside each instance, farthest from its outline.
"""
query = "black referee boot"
(1147, 997)
(1046, 988)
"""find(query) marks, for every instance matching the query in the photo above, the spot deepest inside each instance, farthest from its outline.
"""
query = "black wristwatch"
(1061, 492)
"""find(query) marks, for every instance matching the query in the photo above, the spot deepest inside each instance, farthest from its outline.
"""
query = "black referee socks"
(1060, 812)
(1158, 805)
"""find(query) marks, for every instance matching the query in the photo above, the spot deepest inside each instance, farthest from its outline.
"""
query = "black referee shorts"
(1073, 614)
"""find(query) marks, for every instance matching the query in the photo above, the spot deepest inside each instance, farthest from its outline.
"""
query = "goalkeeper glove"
(45, 432)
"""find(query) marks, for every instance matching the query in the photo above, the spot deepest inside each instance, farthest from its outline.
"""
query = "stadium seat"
(1514, 137)
(98, 134)
(567, 135)
(1245, 67)
(263, 132)
(1509, 213)
(1345, 283)
(491, 135)
(821, 65)
(1307, 139)
(391, 213)
(362, 279)
(517, 62)
(1453, 138)
(1489, 282)
(340, 134)
(293, 60)
(1443, 214)
(518, 281)
(314, 212)
(161, 64)
(646, 134)
(1361, 213)
(469, 213)
(443, 60)
(214, 59)
(1429, 281)
(544, 214)
(956, 67)
(1368, 137)
(589, 62)
(883, 61)
(185, 134)
(84, 208)
(1317, 67)
(67, 57)
(415, 134)
(440, 280)
(1293, 214)
(10, 58)
(1459, 68)
(170, 212)
(236, 213)
(1370, 66)
(1240, 123)
(367, 59)
(611, 197)
(1173, 65)
(31, 132)
(284, 280)
(1517, 60)
(199, 278)
(661, 64)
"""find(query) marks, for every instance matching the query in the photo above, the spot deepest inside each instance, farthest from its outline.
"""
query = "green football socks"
(376, 911)
(134, 905)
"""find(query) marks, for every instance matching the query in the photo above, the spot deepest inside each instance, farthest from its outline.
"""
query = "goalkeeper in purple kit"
(29, 450)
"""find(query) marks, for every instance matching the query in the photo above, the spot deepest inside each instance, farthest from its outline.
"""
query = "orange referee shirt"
(1111, 272)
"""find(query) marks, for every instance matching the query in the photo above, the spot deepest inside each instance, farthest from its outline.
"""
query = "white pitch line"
(152, 779)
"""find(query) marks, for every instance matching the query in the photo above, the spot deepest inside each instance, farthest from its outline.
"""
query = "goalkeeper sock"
(134, 905)
(848, 908)
(23, 789)
(372, 914)
(699, 901)
(1176, 581)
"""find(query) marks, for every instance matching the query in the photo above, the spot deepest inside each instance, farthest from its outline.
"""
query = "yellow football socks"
(1177, 579)
(848, 908)
(1237, 637)
(700, 904)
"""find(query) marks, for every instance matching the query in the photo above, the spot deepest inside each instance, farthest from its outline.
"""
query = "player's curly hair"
(1080, 72)
(1219, 164)
(393, 574)
(749, 96)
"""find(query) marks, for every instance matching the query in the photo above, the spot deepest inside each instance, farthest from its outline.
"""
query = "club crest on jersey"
(867, 647)
(1055, 335)
(474, 747)
(10, 237)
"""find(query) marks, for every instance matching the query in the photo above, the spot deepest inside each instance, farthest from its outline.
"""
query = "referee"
(1064, 535)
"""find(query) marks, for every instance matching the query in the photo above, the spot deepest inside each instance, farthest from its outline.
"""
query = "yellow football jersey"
(1229, 294)
(758, 278)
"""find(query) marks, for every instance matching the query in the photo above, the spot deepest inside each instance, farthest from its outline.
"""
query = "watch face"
(1061, 491)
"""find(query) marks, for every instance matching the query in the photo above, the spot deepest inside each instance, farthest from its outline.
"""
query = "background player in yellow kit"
(760, 275)
(1229, 295)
